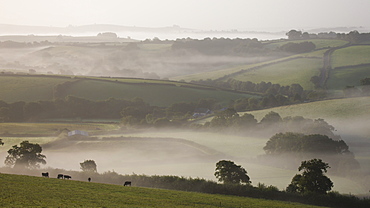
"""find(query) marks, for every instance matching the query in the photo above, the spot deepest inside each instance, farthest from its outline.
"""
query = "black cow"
(60, 176)
(127, 183)
(67, 177)
(45, 175)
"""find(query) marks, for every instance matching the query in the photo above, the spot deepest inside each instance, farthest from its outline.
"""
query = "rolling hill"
(28, 191)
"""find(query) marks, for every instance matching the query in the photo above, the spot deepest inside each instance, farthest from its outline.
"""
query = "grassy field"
(27, 191)
(339, 78)
(52, 128)
(160, 93)
(27, 88)
(221, 73)
(350, 56)
(320, 43)
(285, 73)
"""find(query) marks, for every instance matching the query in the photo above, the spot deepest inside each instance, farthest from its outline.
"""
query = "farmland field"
(52, 128)
(285, 73)
(350, 56)
(217, 74)
(21, 191)
(161, 93)
(320, 43)
(339, 78)
(24, 88)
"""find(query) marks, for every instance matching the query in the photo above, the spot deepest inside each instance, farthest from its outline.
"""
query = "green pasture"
(28, 191)
(227, 71)
(155, 47)
(51, 128)
(28, 88)
(339, 78)
(296, 71)
(320, 43)
(159, 95)
(350, 56)
(336, 109)
(156, 92)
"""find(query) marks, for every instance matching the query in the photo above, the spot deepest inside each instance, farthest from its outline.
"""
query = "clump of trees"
(302, 47)
(312, 180)
(26, 155)
(303, 146)
(272, 122)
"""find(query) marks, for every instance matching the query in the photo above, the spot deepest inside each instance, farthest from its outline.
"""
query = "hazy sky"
(198, 14)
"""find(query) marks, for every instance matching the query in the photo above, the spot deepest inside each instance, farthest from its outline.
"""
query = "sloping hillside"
(27, 191)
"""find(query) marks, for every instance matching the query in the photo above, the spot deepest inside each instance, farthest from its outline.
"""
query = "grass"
(285, 73)
(350, 56)
(51, 128)
(320, 43)
(156, 92)
(159, 95)
(337, 109)
(28, 88)
(221, 73)
(28, 191)
(339, 78)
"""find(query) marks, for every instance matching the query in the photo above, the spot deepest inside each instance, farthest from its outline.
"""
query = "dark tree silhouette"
(230, 173)
(88, 166)
(27, 155)
(312, 179)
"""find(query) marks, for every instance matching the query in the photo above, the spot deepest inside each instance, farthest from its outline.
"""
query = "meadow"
(350, 56)
(285, 73)
(340, 78)
(22, 191)
(319, 43)
(27, 88)
(156, 92)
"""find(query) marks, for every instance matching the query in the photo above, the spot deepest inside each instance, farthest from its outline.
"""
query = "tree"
(312, 179)
(294, 34)
(230, 173)
(88, 166)
(271, 118)
(27, 155)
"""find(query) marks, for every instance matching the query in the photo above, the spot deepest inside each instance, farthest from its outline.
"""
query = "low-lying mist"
(117, 60)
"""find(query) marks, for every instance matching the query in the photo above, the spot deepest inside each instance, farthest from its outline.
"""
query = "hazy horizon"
(261, 15)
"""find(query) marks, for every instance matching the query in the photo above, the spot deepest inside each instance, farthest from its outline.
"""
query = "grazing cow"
(45, 175)
(127, 183)
(60, 176)
(67, 177)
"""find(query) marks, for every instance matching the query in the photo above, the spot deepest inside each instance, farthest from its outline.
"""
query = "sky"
(195, 14)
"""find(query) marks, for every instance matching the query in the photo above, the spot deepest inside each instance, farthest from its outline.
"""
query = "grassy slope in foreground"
(19, 191)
